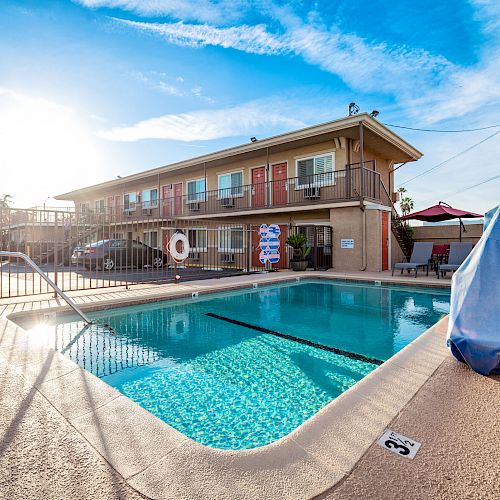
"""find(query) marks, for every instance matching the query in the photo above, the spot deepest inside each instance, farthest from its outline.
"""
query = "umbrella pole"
(460, 220)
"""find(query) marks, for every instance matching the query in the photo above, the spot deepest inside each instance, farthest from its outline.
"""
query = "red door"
(385, 241)
(178, 198)
(167, 200)
(279, 172)
(283, 263)
(258, 187)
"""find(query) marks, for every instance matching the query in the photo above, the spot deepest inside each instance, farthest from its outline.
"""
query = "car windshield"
(98, 243)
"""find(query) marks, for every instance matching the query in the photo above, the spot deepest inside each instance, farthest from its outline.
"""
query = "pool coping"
(160, 462)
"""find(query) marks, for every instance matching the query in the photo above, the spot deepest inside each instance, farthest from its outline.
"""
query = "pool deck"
(66, 434)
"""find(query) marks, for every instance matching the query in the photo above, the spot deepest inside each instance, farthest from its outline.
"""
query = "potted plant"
(298, 242)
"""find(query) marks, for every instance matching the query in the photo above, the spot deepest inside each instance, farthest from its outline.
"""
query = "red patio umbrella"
(442, 211)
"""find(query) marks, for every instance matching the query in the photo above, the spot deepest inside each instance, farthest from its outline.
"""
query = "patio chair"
(458, 253)
(420, 257)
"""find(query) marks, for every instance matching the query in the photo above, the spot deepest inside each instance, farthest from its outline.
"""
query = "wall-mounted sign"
(348, 243)
(269, 243)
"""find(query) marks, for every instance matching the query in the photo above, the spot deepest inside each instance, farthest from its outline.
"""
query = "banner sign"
(269, 243)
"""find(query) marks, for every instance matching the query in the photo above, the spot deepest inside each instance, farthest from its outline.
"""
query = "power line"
(443, 131)
(425, 172)
(475, 185)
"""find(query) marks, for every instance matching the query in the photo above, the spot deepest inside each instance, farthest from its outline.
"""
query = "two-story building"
(332, 181)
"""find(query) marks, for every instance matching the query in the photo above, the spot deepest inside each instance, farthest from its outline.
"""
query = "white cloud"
(206, 124)
(360, 64)
(252, 39)
(197, 10)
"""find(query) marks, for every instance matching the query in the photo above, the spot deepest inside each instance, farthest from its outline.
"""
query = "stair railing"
(56, 289)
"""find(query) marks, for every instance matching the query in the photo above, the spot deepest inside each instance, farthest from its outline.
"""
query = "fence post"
(56, 249)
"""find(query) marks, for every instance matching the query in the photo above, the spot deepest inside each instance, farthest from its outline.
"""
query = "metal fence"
(80, 251)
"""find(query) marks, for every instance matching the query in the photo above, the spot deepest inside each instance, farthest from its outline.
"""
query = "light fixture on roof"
(353, 109)
(253, 139)
(374, 113)
(119, 176)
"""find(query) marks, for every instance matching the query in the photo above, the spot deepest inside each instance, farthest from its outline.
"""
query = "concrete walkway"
(454, 415)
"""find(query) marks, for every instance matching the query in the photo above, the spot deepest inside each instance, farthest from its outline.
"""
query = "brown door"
(167, 200)
(258, 187)
(385, 241)
(279, 172)
(178, 198)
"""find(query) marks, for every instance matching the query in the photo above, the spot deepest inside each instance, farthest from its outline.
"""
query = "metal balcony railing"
(352, 183)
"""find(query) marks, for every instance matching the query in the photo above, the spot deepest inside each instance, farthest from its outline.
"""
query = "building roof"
(376, 135)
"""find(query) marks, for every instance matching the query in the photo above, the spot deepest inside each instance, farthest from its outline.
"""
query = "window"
(129, 201)
(317, 170)
(197, 239)
(99, 206)
(150, 198)
(84, 208)
(196, 190)
(231, 239)
(231, 184)
(151, 238)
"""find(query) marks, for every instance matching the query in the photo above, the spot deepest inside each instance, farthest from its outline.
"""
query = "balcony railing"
(350, 184)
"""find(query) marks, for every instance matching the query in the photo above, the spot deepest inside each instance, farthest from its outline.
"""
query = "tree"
(5, 201)
(406, 205)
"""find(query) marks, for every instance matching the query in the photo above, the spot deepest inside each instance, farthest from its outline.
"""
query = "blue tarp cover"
(474, 324)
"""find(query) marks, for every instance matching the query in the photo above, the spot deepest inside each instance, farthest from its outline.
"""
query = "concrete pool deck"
(66, 434)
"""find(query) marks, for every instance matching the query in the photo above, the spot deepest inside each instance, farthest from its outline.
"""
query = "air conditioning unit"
(227, 202)
(147, 211)
(227, 257)
(311, 193)
(194, 207)
(194, 255)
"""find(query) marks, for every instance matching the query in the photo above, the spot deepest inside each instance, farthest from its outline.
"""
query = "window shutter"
(305, 168)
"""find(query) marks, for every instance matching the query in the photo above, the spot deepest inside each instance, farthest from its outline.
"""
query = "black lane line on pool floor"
(335, 350)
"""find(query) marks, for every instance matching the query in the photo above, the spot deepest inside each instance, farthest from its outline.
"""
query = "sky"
(93, 89)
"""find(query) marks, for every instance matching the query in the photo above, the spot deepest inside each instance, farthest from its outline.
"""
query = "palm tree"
(406, 205)
(5, 201)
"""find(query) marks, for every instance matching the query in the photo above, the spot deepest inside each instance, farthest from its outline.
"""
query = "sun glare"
(46, 148)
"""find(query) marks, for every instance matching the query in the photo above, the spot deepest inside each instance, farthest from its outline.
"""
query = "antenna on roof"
(353, 109)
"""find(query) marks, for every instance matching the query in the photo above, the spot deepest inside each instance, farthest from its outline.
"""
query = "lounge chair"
(420, 257)
(458, 253)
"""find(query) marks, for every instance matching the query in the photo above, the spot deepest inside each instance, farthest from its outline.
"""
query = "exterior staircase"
(398, 227)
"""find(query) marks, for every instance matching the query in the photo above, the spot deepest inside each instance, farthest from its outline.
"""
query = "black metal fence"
(82, 251)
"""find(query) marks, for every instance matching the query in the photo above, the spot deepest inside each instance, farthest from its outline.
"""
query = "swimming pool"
(241, 369)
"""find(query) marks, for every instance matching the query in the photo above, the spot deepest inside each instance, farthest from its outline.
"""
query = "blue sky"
(92, 89)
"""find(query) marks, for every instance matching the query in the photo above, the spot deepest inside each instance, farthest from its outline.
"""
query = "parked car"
(114, 253)
(78, 255)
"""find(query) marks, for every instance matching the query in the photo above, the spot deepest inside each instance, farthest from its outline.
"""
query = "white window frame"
(201, 196)
(149, 204)
(230, 250)
(135, 202)
(101, 202)
(84, 207)
(219, 189)
(198, 248)
(148, 238)
(314, 157)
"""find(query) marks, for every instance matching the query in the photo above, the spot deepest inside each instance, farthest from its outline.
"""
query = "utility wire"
(425, 172)
(475, 185)
(443, 131)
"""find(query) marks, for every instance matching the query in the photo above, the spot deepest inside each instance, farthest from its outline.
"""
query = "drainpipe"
(361, 201)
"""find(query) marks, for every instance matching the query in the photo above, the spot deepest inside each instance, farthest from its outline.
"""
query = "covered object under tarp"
(474, 324)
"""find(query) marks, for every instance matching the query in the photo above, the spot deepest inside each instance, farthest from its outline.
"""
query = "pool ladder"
(56, 289)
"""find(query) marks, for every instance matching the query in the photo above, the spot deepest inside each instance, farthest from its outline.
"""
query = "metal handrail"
(32, 264)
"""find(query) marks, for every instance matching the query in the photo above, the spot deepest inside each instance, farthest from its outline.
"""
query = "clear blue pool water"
(228, 386)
